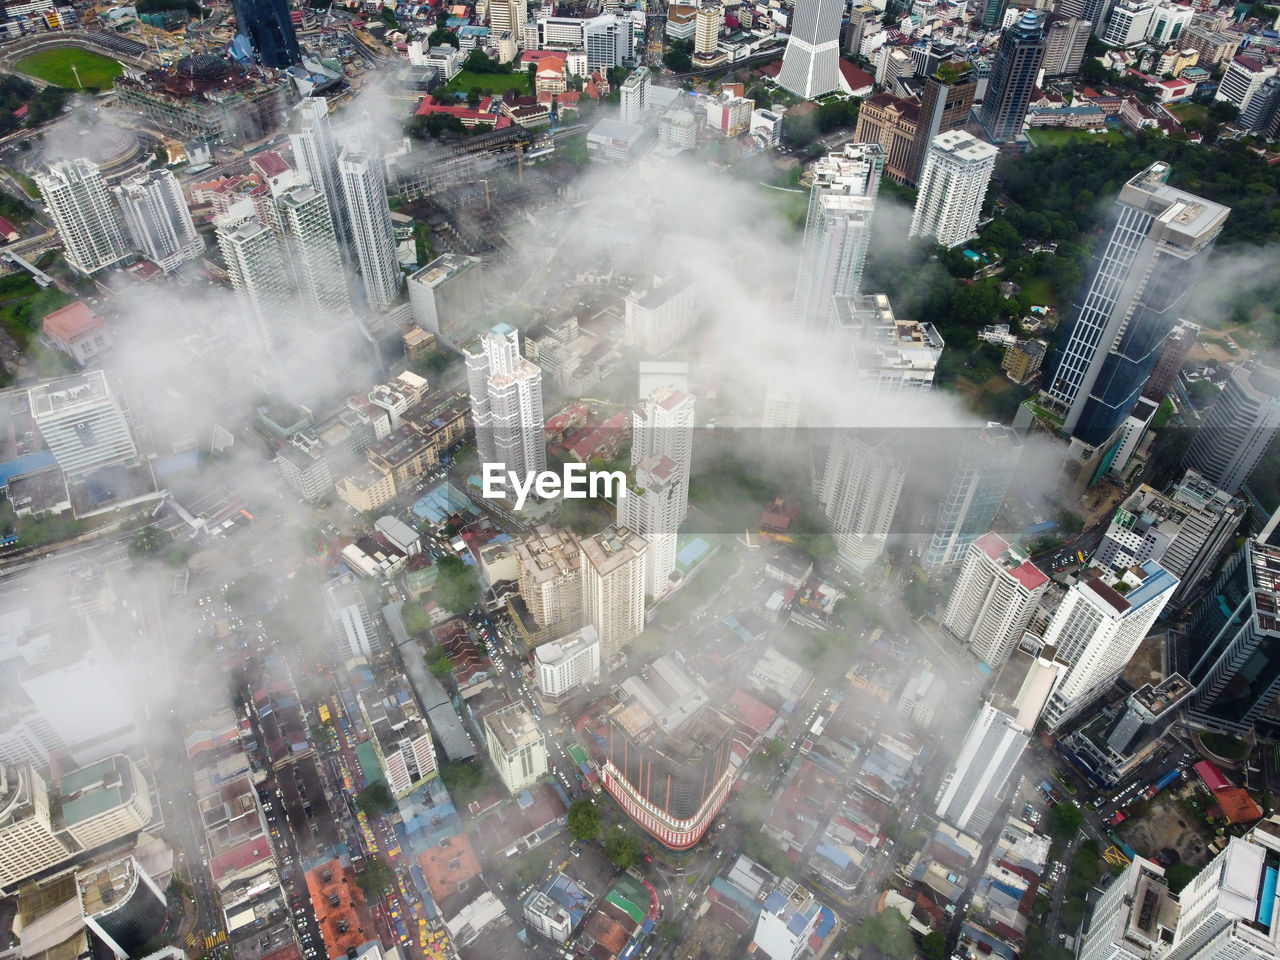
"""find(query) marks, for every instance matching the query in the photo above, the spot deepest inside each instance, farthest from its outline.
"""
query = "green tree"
(1069, 522)
(622, 848)
(886, 933)
(440, 37)
(441, 666)
(457, 585)
(584, 820)
(464, 780)
(375, 799)
(1202, 393)
(917, 596)
(376, 878)
(147, 543)
(1065, 820)
(934, 946)
(416, 619)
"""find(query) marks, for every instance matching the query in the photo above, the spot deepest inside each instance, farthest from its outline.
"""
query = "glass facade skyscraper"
(1013, 78)
(269, 27)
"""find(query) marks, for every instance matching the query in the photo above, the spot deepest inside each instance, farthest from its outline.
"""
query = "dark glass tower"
(1013, 78)
(945, 105)
(1141, 277)
(269, 27)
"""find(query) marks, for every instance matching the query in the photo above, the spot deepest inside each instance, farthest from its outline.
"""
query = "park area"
(61, 65)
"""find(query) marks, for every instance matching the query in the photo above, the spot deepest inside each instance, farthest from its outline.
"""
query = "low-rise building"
(570, 662)
(78, 332)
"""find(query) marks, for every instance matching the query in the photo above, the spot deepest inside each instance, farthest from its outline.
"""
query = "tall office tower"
(364, 188)
(1141, 278)
(516, 746)
(1134, 919)
(82, 423)
(550, 576)
(29, 840)
(1013, 78)
(1169, 363)
(260, 278)
(609, 41)
(155, 211)
(652, 509)
(708, 22)
(986, 468)
(991, 16)
(859, 492)
(953, 185)
(349, 619)
(890, 356)
(123, 906)
(1129, 23)
(447, 296)
(862, 19)
(1228, 912)
(105, 801)
(1233, 641)
(1065, 39)
(1238, 427)
(81, 209)
(1241, 86)
(269, 27)
(945, 105)
(316, 150)
(1097, 628)
(1097, 12)
(635, 96)
(507, 16)
(668, 754)
(994, 598)
(506, 403)
(313, 259)
(1185, 531)
(811, 62)
(613, 574)
(971, 797)
(662, 426)
(837, 229)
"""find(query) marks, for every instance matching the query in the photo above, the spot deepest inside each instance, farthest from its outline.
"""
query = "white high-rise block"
(506, 403)
(990, 751)
(86, 220)
(953, 184)
(155, 211)
(364, 188)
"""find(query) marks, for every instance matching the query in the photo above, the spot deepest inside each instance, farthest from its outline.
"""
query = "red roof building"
(480, 117)
(77, 331)
(344, 917)
(1212, 776)
(8, 230)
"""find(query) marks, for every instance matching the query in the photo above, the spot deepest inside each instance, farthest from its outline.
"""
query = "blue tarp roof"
(826, 923)
(23, 465)
(775, 902)
(834, 854)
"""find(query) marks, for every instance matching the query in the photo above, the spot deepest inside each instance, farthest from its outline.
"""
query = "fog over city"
(927, 357)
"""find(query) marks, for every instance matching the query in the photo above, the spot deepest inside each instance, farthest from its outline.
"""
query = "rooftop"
(514, 728)
(72, 322)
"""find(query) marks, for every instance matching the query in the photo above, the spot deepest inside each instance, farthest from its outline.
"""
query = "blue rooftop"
(1157, 582)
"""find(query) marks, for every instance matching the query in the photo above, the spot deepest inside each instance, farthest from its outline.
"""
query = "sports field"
(96, 71)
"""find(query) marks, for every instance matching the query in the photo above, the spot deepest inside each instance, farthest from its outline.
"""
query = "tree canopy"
(457, 585)
(622, 848)
(375, 799)
(584, 820)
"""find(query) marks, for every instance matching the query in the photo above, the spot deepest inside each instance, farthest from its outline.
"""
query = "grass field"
(1045, 137)
(54, 66)
(496, 82)
(1185, 112)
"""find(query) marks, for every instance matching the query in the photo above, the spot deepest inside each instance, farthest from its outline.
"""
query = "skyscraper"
(635, 96)
(1134, 919)
(316, 150)
(506, 403)
(945, 104)
(364, 189)
(859, 492)
(1140, 280)
(507, 16)
(837, 229)
(994, 598)
(953, 185)
(1185, 531)
(550, 577)
(81, 422)
(662, 426)
(652, 509)
(708, 22)
(81, 209)
(1013, 78)
(811, 62)
(316, 265)
(260, 278)
(986, 468)
(992, 15)
(269, 27)
(1172, 356)
(613, 581)
(1097, 628)
(1233, 641)
(1065, 39)
(1229, 909)
(1238, 427)
(991, 749)
(155, 211)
